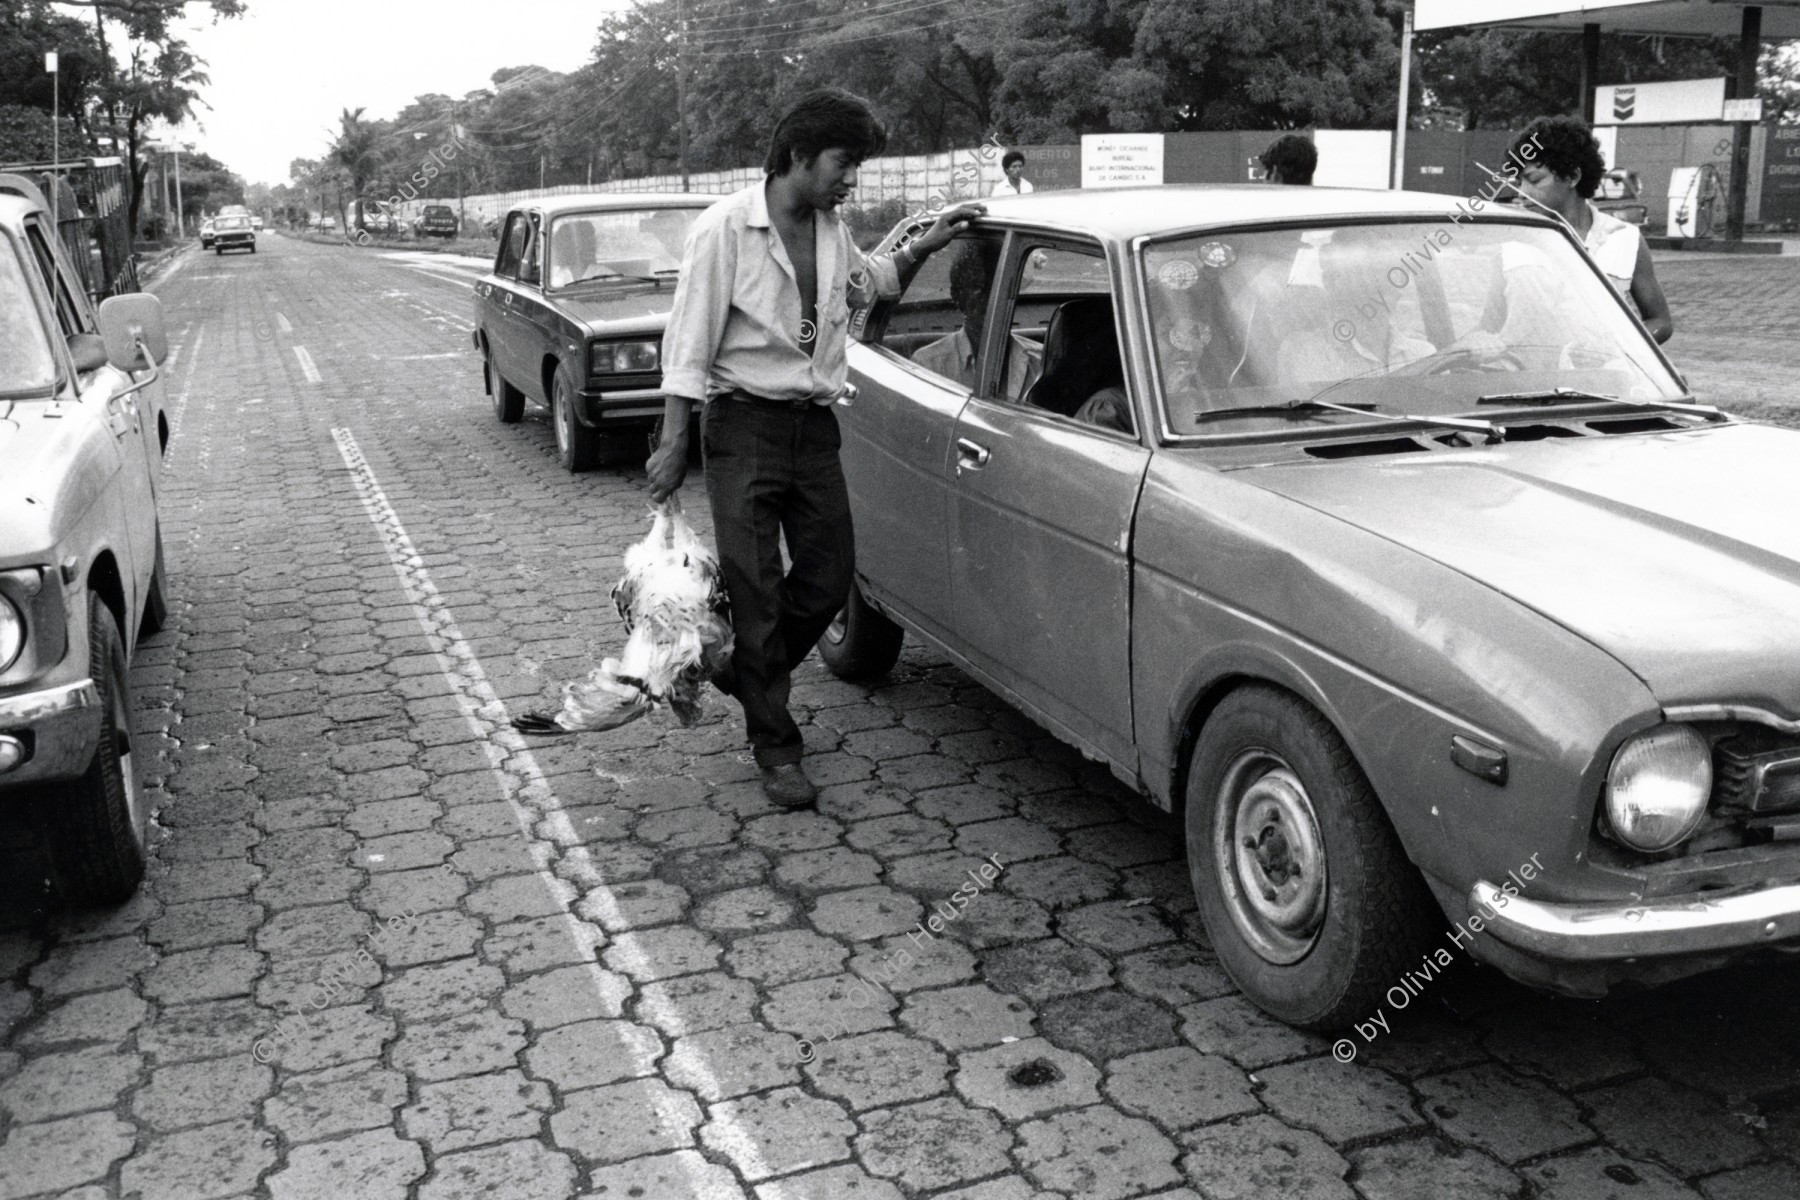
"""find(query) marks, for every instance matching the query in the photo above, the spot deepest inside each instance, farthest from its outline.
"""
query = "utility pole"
(1397, 177)
(50, 65)
(681, 88)
(180, 220)
(1749, 48)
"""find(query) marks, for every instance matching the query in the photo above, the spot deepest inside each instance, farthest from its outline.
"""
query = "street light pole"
(51, 65)
(1397, 177)
(180, 221)
(681, 88)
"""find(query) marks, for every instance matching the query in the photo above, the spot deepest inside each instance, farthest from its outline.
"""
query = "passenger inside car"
(971, 277)
(1083, 376)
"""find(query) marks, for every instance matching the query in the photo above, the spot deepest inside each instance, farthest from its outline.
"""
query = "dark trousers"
(773, 472)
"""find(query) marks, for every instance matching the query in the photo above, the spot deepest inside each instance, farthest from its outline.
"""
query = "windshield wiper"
(1489, 430)
(1569, 394)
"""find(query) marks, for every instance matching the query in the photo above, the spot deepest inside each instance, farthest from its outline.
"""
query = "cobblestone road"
(584, 969)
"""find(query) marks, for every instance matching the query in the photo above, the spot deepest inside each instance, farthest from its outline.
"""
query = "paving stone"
(861, 800)
(785, 956)
(91, 966)
(202, 1093)
(1061, 882)
(1097, 1152)
(1259, 1158)
(996, 920)
(523, 1169)
(1176, 975)
(210, 1029)
(392, 894)
(625, 1120)
(877, 1069)
(1762, 1182)
(777, 1133)
(831, 869)
(968, 1017)
(219, 877)
(1018, 1187)
(593, 1053)
(460, 1114)
(1231, 1026)
(564, 995)
(443, 989)
(1686, 1131)
(94, 1017)
(1179, 1087)
(837, 1005)
(934, 963)
(1122, 845)
(345, 1099)
(863, 914)
(961, 804)
(744, 910)
(1040, 971)
(709, 870)
(200, 1164)
(405, 815)
(1494, 1110)
(1603, 1174)
(1025, 1079)
(683, 1175)
(1339, 1101)
(933, 1144)
(1427, 1168)
(376, 1165)
(693, 1003)
(334, 1037)
(314, 931)
(790, 831)
(517, 897)
(63, 1083)
(58, 1155)
(1115, 927)
(723, 1063)
(663, 953)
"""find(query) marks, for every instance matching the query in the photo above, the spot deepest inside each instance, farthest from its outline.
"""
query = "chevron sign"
(1670, 103)
(1624, 103)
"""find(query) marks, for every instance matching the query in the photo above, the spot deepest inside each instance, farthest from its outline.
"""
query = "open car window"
(1424, 317)
(937, 322)
(512, 247)
(1062, 349)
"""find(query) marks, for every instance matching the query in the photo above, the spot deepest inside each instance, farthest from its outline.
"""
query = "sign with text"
(1781, 175)
(1112, 160)
(1659, 103)
(1744, 110)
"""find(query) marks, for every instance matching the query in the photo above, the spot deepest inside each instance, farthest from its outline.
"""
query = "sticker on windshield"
(1217, 255)
(1190, 336)
(1178, 275)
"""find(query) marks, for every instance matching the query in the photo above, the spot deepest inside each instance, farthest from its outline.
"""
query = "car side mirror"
(89, 352)
(125, 322)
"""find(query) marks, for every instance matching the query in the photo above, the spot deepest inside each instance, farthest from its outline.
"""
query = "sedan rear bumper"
(61, 725)
(1656, 928)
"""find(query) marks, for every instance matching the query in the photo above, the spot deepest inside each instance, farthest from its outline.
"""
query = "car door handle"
(969, 454)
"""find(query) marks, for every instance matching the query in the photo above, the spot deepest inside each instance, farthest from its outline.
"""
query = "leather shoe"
(787, 786)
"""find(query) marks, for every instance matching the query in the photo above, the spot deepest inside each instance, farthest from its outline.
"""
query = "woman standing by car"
(1562, 169)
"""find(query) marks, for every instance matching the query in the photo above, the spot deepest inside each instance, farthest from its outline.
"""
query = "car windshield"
(231, 223)
(626, 243)
(26, 367)
(1419, 317)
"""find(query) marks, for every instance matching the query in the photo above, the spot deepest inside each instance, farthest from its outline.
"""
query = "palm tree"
(355, 151)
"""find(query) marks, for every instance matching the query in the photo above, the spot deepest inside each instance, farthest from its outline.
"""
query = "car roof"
(555, 206)
(1126, 213)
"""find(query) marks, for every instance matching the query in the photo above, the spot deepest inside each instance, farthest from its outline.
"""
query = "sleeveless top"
(1613, 245)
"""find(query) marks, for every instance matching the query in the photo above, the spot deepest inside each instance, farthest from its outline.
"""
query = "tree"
(160, 83)
(207, 186)
(358, 151)
(27, 30)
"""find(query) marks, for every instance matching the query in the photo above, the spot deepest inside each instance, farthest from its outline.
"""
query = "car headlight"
(1657, 788)
(624, 358)
(12, 633)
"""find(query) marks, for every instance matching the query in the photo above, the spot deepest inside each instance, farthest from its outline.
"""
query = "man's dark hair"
(1567, 147)
(821, 120)
(1011, 157)
(1295, 156)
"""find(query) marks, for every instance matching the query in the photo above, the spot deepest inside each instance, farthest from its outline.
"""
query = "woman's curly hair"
(1566, 146)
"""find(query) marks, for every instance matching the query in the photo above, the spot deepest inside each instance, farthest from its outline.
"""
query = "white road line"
(281, 322)
(306, 364)
(520, 780)
(179, 408)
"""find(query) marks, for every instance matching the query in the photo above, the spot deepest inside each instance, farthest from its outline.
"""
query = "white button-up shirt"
(736, 321)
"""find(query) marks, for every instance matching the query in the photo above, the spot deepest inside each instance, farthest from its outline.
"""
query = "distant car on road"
(82, 435)
(1426, 597)
(573, 312)
(206, 234)
(233, 233)
(256, 223)
(437, 220)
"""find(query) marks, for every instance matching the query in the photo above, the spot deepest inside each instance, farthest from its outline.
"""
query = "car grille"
(1752, 775)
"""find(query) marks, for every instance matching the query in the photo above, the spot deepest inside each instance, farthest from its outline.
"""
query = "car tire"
(156, 601)
(1277, 806)
(219, 250)
(96, 824)
(509, 401)
(577, 446)
(860, 643)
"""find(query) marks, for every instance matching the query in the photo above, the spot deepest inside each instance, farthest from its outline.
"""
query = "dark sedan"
(572, 314)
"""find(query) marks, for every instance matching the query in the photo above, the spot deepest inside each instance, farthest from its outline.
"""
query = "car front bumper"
(1693, 924)
(600, 409)
(60, 726)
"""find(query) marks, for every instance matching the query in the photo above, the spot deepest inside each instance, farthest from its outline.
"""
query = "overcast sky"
(283, 71)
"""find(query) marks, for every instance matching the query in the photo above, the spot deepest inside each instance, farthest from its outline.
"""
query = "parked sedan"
(233, 233)
(1375, 539)
(572, 315)
(82, 434)
(206, 234)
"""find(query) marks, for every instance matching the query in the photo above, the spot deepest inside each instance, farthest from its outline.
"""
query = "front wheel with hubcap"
(860, 643)
(577, 446)
(97, 823)
(1306, 892)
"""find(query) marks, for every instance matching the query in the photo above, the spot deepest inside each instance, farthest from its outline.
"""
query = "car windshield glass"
(231, 223)
(26, 366)
(1423, 317)
(624, 244)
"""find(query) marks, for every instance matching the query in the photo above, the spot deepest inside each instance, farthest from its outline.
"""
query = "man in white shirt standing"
(1015, 183)
(757, 335)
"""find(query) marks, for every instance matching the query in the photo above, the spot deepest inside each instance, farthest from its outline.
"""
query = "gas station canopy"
(1693, 18)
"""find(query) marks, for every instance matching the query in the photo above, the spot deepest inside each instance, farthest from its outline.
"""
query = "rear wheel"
(577, 446)
(97, 823)
(509, 401)
(1307, 895)
(860, 643)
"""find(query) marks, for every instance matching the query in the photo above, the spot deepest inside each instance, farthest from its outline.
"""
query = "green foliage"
(25, 136)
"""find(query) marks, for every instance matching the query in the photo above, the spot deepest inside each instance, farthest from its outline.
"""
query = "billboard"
(1111, 160)
(1674, 103)
(1781, 175)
